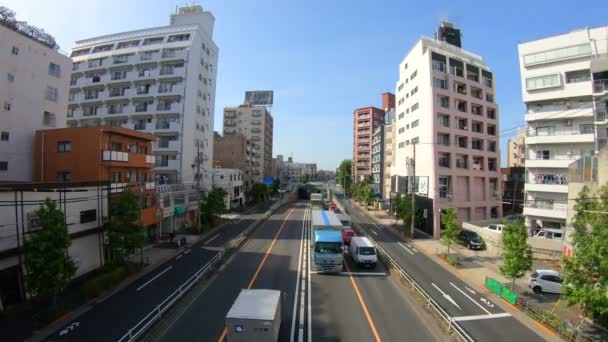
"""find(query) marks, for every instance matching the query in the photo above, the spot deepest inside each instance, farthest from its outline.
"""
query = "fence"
(501, 290)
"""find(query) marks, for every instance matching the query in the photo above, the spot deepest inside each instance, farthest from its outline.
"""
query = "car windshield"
(367, 251)
(328, 247)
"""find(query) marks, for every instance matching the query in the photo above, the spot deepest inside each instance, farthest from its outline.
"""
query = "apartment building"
(447, 117)
(231, 181)
(159, 80)
(516, 155)
(565, 90)
(377, 158)
(366, 120)
(33, 95)
(120, 156)
(300, 172)
(256, 124)
(388, 155)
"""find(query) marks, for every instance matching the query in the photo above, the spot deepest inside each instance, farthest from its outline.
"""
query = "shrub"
(452, 260)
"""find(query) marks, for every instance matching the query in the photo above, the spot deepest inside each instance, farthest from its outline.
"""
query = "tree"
(48, 266)
(212, 205)
(306, 178)
(259, 192)
(516, 254)
(364, 194)
(451, 229)
(276, 185)
(125, 230)
(586, 273)
(344, 175)
(403, 208)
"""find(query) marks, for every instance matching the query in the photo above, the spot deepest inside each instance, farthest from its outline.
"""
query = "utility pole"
(413, 182)
(198, 183)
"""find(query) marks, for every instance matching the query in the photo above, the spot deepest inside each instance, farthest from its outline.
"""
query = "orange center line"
(257, 272)
(370, 321)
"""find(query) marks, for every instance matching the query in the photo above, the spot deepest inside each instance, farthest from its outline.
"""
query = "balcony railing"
(547, 178)
(586, 130)
(600, 86)
(115, 156)
(541, 204)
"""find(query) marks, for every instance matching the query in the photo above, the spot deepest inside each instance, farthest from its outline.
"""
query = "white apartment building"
(33, 95)
(231, 180)
(388, 155)
(299, 172)
(446, 111)
(256, 124)
(564, 88)
(159, 80)
(377, 160)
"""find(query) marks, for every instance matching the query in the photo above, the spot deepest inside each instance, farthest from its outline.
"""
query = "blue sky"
(324, 58)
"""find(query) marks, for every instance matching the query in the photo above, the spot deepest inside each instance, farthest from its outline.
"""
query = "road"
(112, 318)
(482, 319)
(355, 306)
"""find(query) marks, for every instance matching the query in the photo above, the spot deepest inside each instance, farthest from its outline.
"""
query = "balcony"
(229, 115)
(150, 159)
(555, 188)
(600, 86)
(167, 164)
(167, 145)
(558, 112)
(115, 156)
(363, 116)
(168, 126)
(362, 141)
(150, 185)
(564, 137)
(172, 72)
(171, 89)
(544, 209)
(174, 107)
(557, 162)
(173, 55)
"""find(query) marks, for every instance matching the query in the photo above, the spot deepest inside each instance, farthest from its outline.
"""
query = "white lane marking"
(69, 328)
(237, 221)
(486, 302)
(309, 306)
(379, 274)
(446, 296)
(373, 231)
(471, 299)
(470, 290)
(187, 251)
(179, 256)
(472, 318)
(213, 238)
(379, 226)
(151, 280)
(295, 293)
(407, 249)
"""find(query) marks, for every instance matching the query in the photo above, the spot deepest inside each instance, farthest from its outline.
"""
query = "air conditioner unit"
(33, 221)
(567, 122)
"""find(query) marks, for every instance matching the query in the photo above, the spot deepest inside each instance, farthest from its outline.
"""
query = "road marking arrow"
(447, 296)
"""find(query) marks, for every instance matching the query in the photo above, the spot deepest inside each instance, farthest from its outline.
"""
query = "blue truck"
(328, 252)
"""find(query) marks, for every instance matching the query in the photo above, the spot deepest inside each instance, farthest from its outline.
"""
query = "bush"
(105, 280)
(452, 260)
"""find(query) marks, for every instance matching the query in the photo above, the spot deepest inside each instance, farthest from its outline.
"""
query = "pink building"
(366, 120)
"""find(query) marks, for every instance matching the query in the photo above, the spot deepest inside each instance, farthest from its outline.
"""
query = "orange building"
(101, 153)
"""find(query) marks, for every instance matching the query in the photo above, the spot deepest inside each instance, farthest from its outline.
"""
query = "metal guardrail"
(154, 315)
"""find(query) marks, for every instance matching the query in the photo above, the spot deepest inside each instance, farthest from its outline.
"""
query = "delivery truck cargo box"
(255, 316)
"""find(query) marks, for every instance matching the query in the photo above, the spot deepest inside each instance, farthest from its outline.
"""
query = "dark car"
(471, 240)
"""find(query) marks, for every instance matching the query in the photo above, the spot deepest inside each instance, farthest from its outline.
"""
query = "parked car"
(496, 227)
(550, 233)
(545, 281)
(471, 240)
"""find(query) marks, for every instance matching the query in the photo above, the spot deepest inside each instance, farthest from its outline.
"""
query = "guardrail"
(154, 315)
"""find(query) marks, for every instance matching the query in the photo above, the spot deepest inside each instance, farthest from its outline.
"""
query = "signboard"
(259, 97)
(268, 180)
(423, 185)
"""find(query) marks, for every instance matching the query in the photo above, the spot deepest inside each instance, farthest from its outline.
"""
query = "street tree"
(403, 209)
(516, 254)
(48, 267)
(276, 185)
(125, 229)
(344, 175)
(586, 273)
(212, 205)
(451, 228)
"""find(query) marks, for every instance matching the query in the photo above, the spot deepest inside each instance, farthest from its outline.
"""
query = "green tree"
(344, 175)
(276, 185)
(125, 230)
(48, 267)
(403, 208)
(259, 192)
(451, 229)
(516, 254)
(212, 205)
(586, 273)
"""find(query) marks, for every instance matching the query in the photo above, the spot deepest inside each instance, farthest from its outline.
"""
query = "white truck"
(363, 252)
(316, 200)
(255, 316)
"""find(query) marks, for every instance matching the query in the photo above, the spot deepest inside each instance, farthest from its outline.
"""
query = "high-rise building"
(516, 155)
(159, 80)
(366, 120)
(447, 127)
(33, 95)
(565, 90)
(378, 154)
(256, 124)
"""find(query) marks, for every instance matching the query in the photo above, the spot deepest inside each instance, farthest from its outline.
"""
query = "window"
(445, 186)
(492, 146)
(440, 83)
(7, 106)
(545, 130)
(478, 163)
(543, 154)
(462, 142)
(116, 146)
(477, 127)
(178, 38)
(578, 76)
(414, 91)
(15, 50)
(415, 140)
(443, 120)
(558, 54)
(439, 66)
(413, 75)
(491, 113)
(414, 106)
(491, 129)
(51, 94)
(64, 146)
(487, 82)
(443, 139)
(10, 77)
(401, 144)
(54, 69)
(151, 41)
(401, 130)
(444, 159)
(489, 97)
(405, 66)
(492, 164)
(116, 176)
(124, 45)
(477, 144)
(48, 119)
(88, 216)
(401, 115)
(400, 101)
(415, 123)
(4, 136)
(64, 176)
(401, 87)
(91, 94)
(462, 124)
(120, 59)
(462, 161)
(586, 129)
(461, 105)
(444, 101)
(493, 186)
(476, 109)
(540, 82)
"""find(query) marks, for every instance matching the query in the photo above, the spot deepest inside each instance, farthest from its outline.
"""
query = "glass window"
(415, 106)
(4, 136)
(540, 82)
(88, 216)
(445, 186)
(51, 94)
(557, 54)
(54, 69)
(63, 176)
(3, 165)
(440, 83)
(15, 50)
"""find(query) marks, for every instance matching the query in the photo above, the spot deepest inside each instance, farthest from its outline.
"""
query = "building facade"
(516, 155)
(300, 172)
(564, 88)
(512, 186)
(447, 122)
(366, 120)
(119, 156)
(256, 124)
(388, 152)
(33, 95)
(377, 159)
(160, 81)
(231, 181)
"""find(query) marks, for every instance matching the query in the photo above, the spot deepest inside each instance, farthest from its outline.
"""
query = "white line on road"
(179, 256)
(379, 226)
(468, 289)
(472, 318)
(309, 305)
(151, 280)
(407, 249)
(187, 251)
(295, 293)
(213, 238)
(373, 231)
(472, 300)
(446, 296)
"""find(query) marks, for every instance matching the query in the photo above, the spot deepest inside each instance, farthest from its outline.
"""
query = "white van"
(362, 251)
(550, 233)
(496, 227)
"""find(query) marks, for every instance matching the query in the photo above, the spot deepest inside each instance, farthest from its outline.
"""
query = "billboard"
(268, 180)
(259, 97)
